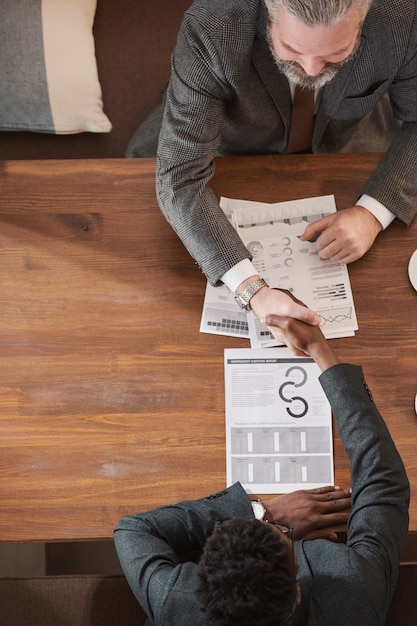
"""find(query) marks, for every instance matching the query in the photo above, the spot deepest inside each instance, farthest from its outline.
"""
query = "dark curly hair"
(246, 575)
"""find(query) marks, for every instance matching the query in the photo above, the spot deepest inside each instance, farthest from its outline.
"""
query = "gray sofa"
(133, 43)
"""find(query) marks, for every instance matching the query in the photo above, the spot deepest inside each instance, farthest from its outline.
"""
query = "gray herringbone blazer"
(226, 96)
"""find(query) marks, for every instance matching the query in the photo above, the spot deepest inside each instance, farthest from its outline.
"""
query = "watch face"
(258, 509)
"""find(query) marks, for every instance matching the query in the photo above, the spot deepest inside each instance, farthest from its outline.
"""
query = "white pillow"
(48, 71)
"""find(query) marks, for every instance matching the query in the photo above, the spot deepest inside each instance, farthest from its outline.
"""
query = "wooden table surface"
(111, 400)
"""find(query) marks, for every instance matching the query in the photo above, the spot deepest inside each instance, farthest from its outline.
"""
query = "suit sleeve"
(148, 545)
(190, 135)
(394, 182)
(380, 490)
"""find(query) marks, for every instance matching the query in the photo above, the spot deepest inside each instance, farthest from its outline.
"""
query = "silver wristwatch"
(243, 299)
(258, 509)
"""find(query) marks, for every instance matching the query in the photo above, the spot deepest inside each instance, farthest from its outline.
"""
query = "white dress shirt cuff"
(238, 273)
(378, 210)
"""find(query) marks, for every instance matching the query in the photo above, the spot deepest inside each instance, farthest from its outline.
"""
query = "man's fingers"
(315, 229)
(337, 519)
(307, 315)
(334, 499)
(338, 493)
(321, 534)
(297, 309)
(273, 320)
(326, 489)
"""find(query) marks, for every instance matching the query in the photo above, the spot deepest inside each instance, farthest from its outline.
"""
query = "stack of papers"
(271, 234)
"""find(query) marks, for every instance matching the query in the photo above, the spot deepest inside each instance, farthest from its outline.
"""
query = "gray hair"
(313, 12)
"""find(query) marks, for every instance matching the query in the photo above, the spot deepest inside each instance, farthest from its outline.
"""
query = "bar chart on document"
(278, 422)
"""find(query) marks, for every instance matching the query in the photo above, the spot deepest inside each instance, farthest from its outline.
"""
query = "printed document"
(278, 422)
(271, 234)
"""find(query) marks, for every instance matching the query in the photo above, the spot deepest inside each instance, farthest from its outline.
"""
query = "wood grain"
(111, 400)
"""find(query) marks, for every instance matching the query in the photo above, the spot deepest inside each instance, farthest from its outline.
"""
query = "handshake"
(302, 336)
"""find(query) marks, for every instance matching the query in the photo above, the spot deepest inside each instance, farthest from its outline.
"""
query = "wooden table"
(111, 400)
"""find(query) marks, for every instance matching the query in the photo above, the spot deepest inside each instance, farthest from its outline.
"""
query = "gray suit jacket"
(226, 96)
(345, 584)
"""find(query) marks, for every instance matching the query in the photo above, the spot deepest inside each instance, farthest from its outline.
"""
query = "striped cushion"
(48, 72)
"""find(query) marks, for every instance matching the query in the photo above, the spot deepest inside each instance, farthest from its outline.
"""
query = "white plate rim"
(412, 269)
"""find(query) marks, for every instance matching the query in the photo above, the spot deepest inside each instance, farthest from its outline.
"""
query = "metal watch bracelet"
(243, 299)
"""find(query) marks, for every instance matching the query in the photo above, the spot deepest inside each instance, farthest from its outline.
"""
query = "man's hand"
(312, 513)
(344, 236)
(304, 339)
(278, 302)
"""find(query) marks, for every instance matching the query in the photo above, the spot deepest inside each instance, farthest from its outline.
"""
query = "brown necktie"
(302, 120)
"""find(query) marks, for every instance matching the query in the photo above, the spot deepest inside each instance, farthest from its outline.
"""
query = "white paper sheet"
(278, 422)
(270, 232)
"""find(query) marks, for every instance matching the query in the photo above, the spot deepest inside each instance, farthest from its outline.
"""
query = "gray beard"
(295, 73)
